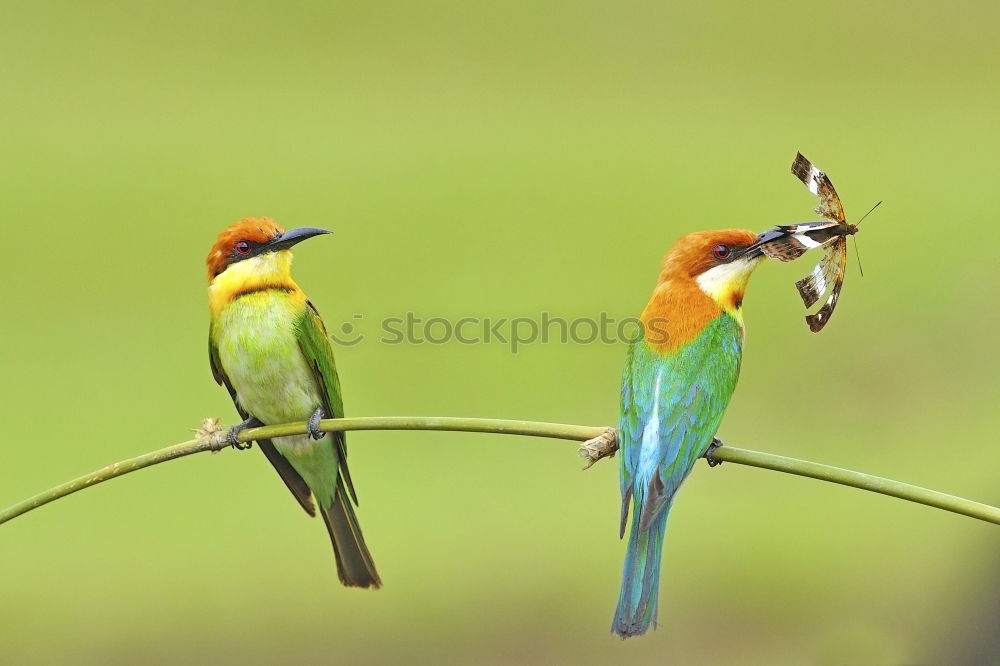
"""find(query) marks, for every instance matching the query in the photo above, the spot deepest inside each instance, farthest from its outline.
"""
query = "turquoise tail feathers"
(640, 578)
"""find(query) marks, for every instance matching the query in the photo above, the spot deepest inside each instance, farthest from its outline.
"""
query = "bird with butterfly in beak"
(268, 346)
(676, 385)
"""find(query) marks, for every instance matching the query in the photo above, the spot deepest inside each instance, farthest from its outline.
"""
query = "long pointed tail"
(640, 578)
(355, 566)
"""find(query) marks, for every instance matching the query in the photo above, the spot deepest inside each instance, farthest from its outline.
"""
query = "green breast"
(260, 353)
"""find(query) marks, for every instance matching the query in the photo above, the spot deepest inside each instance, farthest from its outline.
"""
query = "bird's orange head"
(252, 256)
(704, 274)
(252, 237)
(719, 262)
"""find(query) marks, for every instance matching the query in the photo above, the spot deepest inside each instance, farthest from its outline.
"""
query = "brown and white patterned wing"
(824, 275)
(790, 242)
(829, 273)
(817, 183)
(785, 248)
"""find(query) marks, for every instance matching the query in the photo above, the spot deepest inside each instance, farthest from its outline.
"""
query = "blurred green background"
(496, 159)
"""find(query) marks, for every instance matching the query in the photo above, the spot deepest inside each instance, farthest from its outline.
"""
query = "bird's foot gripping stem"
(313, 424)
(712, 460)
(233, 436)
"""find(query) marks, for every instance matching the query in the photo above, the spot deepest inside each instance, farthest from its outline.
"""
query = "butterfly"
(791, 241)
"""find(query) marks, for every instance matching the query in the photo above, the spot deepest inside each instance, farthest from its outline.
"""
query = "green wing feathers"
(355, 565)
(315, 344)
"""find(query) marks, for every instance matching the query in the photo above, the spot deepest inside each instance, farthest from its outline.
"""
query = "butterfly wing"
(791, 241)
(827, 276)
(817, 183)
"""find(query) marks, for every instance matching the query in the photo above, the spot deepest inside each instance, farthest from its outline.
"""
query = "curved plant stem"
(846, 477)
(599, 443)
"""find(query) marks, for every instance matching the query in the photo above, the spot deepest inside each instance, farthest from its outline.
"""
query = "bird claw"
(313, 424)
(233, 436)
(712, 461)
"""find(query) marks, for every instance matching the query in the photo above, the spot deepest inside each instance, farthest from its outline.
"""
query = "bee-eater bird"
(269, 347)
(676, 385)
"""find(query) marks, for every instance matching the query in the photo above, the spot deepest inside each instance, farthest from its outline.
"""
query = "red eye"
(721, 251)
(242, 247)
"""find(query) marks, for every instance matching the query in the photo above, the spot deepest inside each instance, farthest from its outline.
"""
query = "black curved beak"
(763, 238)
(293, 236)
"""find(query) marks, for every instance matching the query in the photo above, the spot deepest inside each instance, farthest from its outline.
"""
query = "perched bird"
(269, 347)
(677, 382)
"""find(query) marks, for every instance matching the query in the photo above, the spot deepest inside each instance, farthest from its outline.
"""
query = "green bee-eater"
(269, 347)
(677, 383)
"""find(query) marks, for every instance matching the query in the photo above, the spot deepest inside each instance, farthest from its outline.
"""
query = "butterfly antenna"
(866, 215)
(855, 239)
